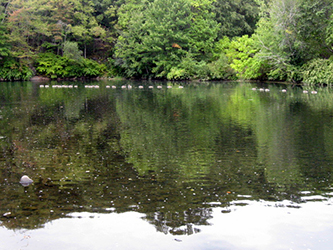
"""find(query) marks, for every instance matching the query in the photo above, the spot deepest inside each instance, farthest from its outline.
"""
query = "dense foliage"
(167, 39)
(55, 66)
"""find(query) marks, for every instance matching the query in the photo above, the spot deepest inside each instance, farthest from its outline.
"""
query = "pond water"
(148, 165)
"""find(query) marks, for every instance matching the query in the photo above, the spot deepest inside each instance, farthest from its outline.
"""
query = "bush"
(177, 74)
(242, 56)
(288, 73)
(111, 69)
(14, 70)
(51, 65)
(220, 69)
(318, 71)
(90, 68)
(189, 68)
(55, 66)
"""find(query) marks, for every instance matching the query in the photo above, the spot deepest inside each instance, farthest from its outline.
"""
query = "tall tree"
(3, 10)
(106, 12)
(237, 17)
(27, 28)
(292, 32)
(32, 24)
(156, 39)
(4, 43)
(329, 32)
(313, 20)
(85, 26)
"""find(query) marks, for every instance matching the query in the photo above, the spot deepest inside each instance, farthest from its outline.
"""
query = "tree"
(3, 10)
(72, 51)
(290, 33)
(85, 26)
(27, 29)
(242, 53)
(237, 17)
(105, 12)
(50, 23)
(313, 20)
(329, 32)
(4, 44)
(156, 36)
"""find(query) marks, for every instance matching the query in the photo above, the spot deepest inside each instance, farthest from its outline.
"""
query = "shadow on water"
(172, 154)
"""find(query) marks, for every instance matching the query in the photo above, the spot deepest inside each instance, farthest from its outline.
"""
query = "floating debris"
(25, 181)
(7, 214)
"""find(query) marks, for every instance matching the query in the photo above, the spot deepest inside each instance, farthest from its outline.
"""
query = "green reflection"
(171, 153)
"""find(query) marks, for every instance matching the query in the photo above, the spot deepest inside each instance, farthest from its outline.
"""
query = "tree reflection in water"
(180, 223)
(172, 154)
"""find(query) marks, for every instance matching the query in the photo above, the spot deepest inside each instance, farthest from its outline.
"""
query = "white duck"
(26, 181)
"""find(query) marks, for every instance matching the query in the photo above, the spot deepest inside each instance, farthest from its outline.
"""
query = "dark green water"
(207, 166)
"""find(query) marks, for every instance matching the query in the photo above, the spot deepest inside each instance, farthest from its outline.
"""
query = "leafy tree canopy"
(237, 17)
(292, 32)
(157, 35)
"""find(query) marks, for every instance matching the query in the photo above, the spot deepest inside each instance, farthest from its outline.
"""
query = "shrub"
(220, 69)
(288, 72)
(55, 66)
(51, 65)
(12, 69)
(318, 71)
(189, 68)
(90, 68)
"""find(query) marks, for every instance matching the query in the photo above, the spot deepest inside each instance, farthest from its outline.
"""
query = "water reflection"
(172, 154)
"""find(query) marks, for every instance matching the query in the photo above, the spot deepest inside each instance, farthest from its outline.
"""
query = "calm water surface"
(207, 166)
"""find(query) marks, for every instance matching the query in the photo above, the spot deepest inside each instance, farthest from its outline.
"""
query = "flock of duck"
(284, 90)
(150, 87)
(107, 86)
